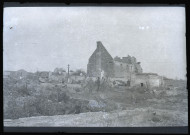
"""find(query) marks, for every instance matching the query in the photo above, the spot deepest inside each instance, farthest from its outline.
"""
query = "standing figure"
(98, 83)
(62, 80)
(102, 74)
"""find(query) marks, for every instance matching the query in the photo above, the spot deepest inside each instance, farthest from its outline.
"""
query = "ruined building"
(101, 61)
(126, 66)
(101, 64)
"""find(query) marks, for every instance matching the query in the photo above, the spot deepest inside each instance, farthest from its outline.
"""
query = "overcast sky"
(43, 38)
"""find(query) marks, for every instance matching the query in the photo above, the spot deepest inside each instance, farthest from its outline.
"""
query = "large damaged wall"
(126, 66)
(100, 61)
(123, 70)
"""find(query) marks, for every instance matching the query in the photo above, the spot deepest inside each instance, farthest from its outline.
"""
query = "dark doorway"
(141, 84)
(128, 83)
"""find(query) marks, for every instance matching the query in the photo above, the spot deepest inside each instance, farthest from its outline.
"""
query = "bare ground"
(143, 117)
(121, 107)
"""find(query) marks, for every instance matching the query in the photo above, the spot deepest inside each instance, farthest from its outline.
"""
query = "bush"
(46, 107)
(38, 99)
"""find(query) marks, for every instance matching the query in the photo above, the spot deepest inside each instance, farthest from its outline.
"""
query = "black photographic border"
(134, 130)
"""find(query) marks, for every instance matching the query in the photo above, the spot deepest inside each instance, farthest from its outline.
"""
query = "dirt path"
(126, 118)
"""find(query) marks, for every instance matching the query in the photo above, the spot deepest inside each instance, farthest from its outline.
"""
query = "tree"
(79, 72)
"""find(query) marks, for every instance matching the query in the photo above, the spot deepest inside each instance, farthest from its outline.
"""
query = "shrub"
(38, 99)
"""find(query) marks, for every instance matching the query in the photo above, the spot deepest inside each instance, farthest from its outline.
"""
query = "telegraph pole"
(68, 69)
(68, 72)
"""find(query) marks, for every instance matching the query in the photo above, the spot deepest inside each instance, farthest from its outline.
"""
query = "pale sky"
(43, 38)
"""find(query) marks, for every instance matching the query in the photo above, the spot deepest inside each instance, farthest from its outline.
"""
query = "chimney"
(99, 44)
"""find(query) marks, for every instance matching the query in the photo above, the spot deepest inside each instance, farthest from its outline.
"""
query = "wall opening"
(141, 84)
(128, 83)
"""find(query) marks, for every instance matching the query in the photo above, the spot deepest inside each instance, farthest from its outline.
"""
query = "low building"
(148, 80)
(15, 74)
(6, 74)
